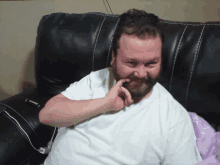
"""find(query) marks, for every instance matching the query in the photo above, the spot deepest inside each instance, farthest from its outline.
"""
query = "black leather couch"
(70, 46)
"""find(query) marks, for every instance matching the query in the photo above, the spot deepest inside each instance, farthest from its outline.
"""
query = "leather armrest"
(12, 139)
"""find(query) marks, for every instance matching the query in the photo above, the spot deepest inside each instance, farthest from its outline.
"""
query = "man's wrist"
(106, 106)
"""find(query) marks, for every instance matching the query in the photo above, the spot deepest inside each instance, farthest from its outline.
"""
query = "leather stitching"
(22, 118)
(93, 58)
(175, 57)
(111, 43)
(180, 23)
(194, 63)
(96, 13)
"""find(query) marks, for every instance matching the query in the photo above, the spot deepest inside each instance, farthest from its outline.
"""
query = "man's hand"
(118, 97)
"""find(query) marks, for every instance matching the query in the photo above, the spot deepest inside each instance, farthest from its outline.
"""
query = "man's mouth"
(135, 84)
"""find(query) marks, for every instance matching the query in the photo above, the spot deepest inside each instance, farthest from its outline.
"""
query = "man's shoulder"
(166, 97)
(164, 93)
(174, 108)
(97, 77)
(101, 73)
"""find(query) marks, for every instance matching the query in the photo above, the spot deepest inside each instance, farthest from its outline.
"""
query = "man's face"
(140, 61)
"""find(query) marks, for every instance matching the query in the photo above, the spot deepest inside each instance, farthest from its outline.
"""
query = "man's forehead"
(133, 52)
(132, 40)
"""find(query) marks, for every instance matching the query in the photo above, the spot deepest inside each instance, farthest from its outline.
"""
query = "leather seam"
(110, 47)
(103, 14)
(95, 13)
(199, 24)
(96, 42)
(175, 57)
(193, 66)
(17, 126)
(23, 119)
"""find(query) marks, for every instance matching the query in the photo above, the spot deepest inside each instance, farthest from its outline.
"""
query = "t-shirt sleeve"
(79, 90)
(181, 146)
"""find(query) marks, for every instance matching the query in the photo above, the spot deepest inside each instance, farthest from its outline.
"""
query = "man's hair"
(138, 23)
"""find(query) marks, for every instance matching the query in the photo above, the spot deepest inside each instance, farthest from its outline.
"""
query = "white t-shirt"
(157, 130)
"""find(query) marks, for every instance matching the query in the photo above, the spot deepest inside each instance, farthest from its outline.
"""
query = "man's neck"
(138, 99)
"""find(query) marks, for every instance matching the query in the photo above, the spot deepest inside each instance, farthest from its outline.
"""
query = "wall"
(19, 21)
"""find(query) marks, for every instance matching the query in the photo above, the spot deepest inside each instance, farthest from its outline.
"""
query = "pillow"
(206, 137)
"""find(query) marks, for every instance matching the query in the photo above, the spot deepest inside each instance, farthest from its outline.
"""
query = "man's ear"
(113, 58)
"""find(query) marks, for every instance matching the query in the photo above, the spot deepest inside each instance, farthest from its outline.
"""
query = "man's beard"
(138, 88)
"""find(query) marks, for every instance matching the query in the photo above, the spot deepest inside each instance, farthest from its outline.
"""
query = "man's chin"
(139, 96)
(136, 95)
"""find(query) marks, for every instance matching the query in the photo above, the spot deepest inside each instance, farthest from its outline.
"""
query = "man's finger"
(120, 82)
(127, 95)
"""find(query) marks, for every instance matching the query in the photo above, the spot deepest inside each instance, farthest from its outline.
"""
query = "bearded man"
(121, 114)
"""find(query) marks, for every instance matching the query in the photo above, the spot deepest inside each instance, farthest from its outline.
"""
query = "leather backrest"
(191, 70)
(70, 46)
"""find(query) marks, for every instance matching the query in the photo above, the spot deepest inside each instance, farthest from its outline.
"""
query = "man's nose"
(140, 73)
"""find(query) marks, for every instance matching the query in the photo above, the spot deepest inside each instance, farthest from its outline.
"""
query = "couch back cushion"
(69, 47)
(191, 70)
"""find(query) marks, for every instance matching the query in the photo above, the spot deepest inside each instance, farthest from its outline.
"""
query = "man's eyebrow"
(135, 60)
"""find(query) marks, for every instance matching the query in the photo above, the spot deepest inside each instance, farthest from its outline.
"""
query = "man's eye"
(132, 63)
(152, 63)
(148, 64)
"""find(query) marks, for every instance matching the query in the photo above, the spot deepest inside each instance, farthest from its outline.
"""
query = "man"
(121, 114)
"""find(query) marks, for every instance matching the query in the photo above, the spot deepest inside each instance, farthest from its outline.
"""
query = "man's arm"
(63, 112)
